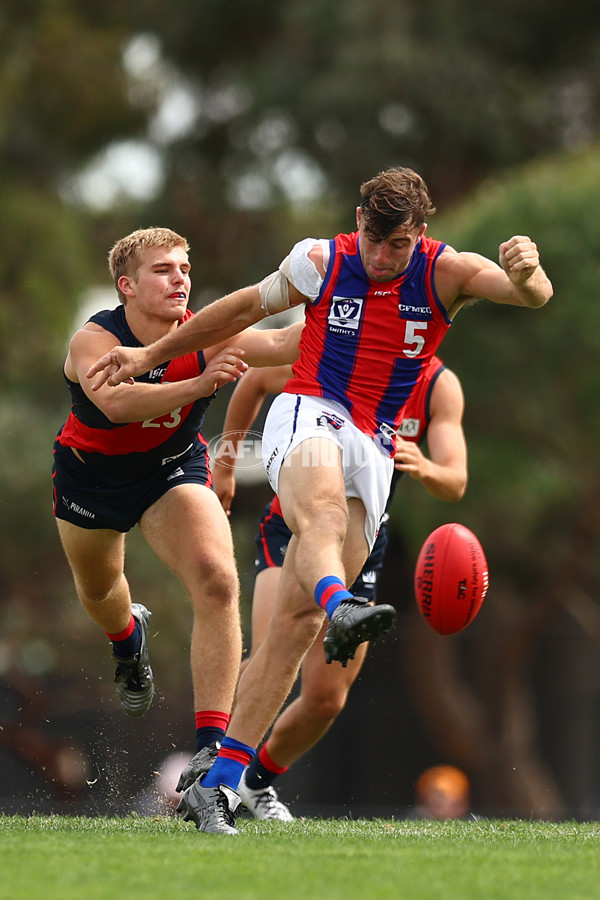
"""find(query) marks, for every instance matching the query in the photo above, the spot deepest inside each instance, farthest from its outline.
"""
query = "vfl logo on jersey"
(409, 428)
(344, 314)
(327, 418)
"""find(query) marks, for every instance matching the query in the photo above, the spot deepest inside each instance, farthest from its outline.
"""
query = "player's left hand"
(519, 258)
(408, 458)
(227, 365)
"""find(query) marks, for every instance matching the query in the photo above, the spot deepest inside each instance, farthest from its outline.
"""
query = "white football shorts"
(293, 419)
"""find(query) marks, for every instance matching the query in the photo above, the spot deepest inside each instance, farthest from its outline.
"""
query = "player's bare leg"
(96, 557)
(312, 495)
(270, 674)
(323, 695)
(293, 626)
(189, 531)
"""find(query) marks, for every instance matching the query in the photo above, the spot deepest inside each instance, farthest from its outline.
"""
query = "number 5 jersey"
(365, 343)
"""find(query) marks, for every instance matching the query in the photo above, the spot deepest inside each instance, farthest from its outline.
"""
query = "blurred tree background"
(246, 126)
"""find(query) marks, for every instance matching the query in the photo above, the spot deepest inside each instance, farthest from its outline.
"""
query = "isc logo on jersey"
(344, 314)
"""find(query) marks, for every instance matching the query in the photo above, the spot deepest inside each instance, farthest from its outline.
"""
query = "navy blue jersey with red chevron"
(90, 431)
(365, 343)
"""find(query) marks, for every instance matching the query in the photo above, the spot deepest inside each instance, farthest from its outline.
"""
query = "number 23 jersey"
(135, 447)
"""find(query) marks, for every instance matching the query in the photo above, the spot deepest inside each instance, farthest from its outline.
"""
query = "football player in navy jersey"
(378, 302)
(135, 454)
(434, 409)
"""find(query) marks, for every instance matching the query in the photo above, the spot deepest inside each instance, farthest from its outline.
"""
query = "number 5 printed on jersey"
(414, 342)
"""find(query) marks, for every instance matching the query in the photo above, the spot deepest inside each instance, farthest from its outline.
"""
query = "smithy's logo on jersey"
(344, 314)
(409, 428)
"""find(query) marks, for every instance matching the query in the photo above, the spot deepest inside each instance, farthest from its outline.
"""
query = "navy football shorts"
(92, 497)
(273, 538)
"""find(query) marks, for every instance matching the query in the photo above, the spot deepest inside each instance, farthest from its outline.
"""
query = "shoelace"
(131, 673)
(221, 807)
(268, 800)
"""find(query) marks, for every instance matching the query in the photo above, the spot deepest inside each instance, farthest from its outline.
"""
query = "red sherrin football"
(451, 578)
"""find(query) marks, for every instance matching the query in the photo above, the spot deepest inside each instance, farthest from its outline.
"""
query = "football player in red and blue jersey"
(434, 409)
(378, 303)
(135, 454)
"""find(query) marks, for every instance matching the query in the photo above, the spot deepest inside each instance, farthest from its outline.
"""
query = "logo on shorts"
(328, 418)
(170, 459)
(271, 460)
(344, 314)
(76, 508)
(409, 427)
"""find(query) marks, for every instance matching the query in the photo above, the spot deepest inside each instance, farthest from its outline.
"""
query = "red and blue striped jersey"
(416, 414)
(90, 431)
(365, 343)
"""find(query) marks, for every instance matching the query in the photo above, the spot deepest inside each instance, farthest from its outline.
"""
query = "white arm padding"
(301, 270)
(297, 269)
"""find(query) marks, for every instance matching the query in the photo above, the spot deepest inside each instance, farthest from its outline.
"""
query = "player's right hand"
(118, 365)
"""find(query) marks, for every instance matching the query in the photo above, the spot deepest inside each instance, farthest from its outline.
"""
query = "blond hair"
(125, 257)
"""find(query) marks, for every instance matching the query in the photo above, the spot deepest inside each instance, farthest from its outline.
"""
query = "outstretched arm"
(444, 473)
(519, 280)
(265, 346)
(244, 406)
(213, 324)
(138, 401)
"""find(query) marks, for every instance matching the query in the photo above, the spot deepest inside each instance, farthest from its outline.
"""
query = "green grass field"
(59, 858)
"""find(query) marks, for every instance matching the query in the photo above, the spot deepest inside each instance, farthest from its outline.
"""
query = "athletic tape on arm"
(274, 293)
(298, 269)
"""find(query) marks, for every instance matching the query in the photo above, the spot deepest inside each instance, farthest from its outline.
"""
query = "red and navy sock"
(262, 771)
(230, 763)
(329, 593)
(127, 642)
(211, 726)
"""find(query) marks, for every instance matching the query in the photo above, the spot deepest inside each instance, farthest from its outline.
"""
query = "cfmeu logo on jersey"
(344, 313)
